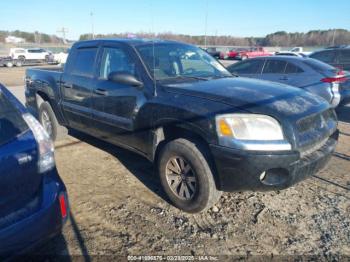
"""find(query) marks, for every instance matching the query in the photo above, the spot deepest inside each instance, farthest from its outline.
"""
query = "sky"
(224, 17)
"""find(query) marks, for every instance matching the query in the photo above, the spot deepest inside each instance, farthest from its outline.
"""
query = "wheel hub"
(181, 178)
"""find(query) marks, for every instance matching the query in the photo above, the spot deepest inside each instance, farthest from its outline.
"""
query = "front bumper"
(38, 226)
(240, 170)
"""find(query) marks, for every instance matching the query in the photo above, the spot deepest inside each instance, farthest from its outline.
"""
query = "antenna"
(92, 25)
(63, 31)
(153, 49)
(206, 24)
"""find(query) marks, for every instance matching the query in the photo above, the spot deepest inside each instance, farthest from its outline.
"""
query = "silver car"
(312, 75)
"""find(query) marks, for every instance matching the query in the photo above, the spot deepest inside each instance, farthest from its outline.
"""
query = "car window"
(115, 60)
(325, 56)
(84, 61)
(11, 121)
(318, 65)
(274, 67)
(344, 56)
(247, 67)
(293, 69)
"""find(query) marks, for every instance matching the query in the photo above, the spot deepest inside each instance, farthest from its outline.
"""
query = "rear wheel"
(19, 63)
(49, 121)
(186, 176)
(22, 59)
(9, 64)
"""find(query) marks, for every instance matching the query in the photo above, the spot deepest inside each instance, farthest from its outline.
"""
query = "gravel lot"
(118, 208)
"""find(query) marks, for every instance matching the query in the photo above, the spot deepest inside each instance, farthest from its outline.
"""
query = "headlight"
(251, 132)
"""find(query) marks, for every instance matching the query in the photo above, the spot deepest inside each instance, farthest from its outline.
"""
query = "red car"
(244, 53)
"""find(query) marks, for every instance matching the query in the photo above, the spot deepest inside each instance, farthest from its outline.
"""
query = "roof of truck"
(128, 41)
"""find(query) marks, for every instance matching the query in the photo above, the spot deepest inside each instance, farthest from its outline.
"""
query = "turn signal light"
(63, 206)
(225, 129)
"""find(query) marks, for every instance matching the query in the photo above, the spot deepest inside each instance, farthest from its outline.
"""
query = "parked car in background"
(214, 52)
(6, 61)
(205, 130)
(286, 53)
(306, 73)
(337, 56)
(33, 199)
(245, 53)
(61, 57)
(31, 55)
(297, 50)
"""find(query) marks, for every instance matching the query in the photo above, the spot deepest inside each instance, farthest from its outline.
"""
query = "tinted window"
(11, 121)
(344, 56)
(247, 67)
(293, 69)
(325, 56)
(115, 60)
(274, 67)
(84, 61)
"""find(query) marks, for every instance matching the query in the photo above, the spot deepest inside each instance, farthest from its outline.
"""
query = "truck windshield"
(167, 61)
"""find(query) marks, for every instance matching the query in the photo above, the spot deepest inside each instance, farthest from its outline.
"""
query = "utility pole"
(206, 24)
(333, 40)
(63, 31)
(92, 25)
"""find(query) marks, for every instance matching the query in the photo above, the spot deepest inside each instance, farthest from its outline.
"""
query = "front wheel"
(186, 176)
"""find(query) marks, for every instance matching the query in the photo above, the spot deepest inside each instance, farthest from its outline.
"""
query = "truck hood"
(254, 96)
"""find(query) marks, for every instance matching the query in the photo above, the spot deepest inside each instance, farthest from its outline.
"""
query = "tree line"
(281, 38)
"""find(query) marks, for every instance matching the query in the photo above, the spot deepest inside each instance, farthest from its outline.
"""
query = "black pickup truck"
(207, 130)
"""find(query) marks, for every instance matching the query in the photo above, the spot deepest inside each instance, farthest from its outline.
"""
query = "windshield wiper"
(187, 77)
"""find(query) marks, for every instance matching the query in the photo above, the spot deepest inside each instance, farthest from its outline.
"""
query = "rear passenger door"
(77, 86)
(294, 75)
(274, 70)
(248, 68)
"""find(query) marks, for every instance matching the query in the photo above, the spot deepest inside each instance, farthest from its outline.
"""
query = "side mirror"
(124, 78)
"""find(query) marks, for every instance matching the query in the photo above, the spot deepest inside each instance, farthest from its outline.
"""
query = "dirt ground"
(118, 208)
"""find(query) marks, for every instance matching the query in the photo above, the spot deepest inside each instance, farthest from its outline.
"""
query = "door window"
(274, 67)
(84, 62)
(325, 56)
(293, 69)
(247, 67)
(116, 60)
(344, 56)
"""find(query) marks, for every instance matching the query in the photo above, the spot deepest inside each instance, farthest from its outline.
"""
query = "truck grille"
(314, 131)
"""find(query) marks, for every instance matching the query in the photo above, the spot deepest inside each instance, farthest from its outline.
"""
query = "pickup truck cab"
(206, 130)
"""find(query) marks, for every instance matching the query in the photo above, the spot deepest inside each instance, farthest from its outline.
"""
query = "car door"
(294, 75)
(274, 70)
(115, 105)
(248, 68)
(77, 86)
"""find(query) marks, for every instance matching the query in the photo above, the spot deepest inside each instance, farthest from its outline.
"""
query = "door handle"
(101, 92)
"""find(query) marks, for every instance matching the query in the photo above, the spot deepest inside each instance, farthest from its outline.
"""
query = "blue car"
(309, 74)
(33, 199)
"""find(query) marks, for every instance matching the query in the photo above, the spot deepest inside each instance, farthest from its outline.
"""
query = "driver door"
(115, 105)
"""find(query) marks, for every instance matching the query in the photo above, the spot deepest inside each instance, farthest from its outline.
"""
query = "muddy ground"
(118, 208)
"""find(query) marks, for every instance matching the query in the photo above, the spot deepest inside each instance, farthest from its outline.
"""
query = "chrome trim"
(255, 145)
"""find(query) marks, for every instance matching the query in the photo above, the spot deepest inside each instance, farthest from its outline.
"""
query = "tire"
(9, 64)
(19, 63)
(49, 121)
(201, 194)
(22, 59)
